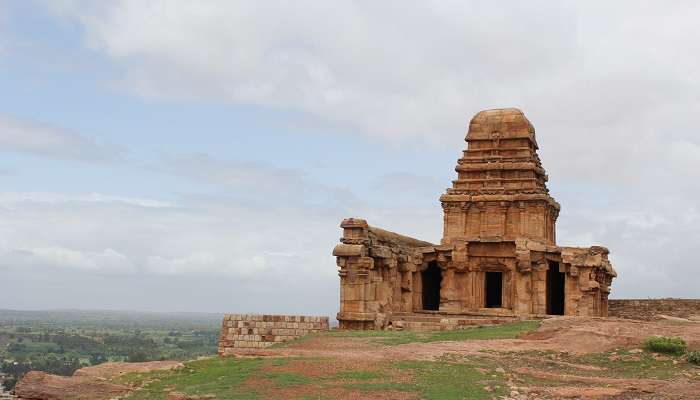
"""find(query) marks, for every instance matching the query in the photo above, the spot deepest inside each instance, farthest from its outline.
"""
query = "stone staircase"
(425, 321)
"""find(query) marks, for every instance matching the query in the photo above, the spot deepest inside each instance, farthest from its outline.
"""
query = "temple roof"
(506, 122)
(500, 159)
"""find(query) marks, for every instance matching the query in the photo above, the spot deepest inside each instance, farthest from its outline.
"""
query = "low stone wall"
(259, 331)
(648, 309)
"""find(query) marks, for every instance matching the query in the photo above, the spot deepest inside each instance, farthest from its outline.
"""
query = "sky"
(199, 156)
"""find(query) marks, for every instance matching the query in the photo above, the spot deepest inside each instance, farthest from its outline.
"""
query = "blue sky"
(199, 156)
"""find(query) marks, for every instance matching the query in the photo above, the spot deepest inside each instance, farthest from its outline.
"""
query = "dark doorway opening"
(494, 289)
(432, 277)
(555, 290)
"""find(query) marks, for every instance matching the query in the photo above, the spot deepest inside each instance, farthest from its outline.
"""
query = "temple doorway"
(432, 278)
(494, 289)
(555, 290)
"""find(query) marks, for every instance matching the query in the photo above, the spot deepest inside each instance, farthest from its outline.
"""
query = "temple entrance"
(494, 289)
(432, 278)
(555, 290)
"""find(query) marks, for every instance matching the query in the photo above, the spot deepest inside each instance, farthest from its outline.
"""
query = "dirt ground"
(566, 357)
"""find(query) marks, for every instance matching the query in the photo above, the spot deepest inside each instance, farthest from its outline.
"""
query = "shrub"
(694, 357)
(666, 345)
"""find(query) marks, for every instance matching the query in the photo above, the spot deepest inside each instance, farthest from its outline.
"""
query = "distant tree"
(137, 356)
(9, 383)
(96, 359)
(16, 347)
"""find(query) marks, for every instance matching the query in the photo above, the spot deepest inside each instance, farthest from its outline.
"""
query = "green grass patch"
(382, 387)
(504, 331)
(392, 338)
(446, 381)
(623, 364)
(665, 345)
(359, 375)
(286, 379)
(218, 376)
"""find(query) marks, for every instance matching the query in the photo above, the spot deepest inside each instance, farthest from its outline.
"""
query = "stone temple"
(498, 256)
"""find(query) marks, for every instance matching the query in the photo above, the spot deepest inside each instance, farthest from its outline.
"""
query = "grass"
(451, 377)
(392, 338)
(287, 379)
(642, 365)
(619, 363)
(382, 387)
(360, 375)
(447, 381)
(694, 357)
(224, 378)
(665, 345)
(218, 376)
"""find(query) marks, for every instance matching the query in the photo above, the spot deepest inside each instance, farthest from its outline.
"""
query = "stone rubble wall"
(648, 309)
(260, 331)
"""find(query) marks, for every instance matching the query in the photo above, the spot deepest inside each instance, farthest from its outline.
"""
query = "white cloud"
(107, 260)
(383, 67)
(604, 91)
(31, 137)
(218, 236)
(261, 181)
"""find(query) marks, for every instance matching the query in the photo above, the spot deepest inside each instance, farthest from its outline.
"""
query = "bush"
(694, 357)
(666, 345)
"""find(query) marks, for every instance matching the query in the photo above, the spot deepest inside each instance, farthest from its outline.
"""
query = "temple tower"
(500, 192)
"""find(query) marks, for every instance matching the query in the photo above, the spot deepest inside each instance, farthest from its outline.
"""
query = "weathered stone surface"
(87, 383)
(251, 331)
(498, 249)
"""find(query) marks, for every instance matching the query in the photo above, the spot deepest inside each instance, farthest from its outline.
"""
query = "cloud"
(604, 91)
(260, 180)
(30, 137)
(202, 235)
(414, 76)
(60, 257)
(250, 248)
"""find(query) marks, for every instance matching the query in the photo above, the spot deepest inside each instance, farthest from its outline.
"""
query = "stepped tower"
(500, 192)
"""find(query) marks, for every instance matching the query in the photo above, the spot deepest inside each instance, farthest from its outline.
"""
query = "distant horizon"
(242, 312)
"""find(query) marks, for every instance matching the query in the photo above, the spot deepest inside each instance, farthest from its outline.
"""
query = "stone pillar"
(539, 289)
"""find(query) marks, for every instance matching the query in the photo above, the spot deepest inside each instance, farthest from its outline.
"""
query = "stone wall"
(648, 309)
(259, 331)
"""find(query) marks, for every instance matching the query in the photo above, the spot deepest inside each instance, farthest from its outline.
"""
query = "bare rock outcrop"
(90, 383)
(37, 385)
